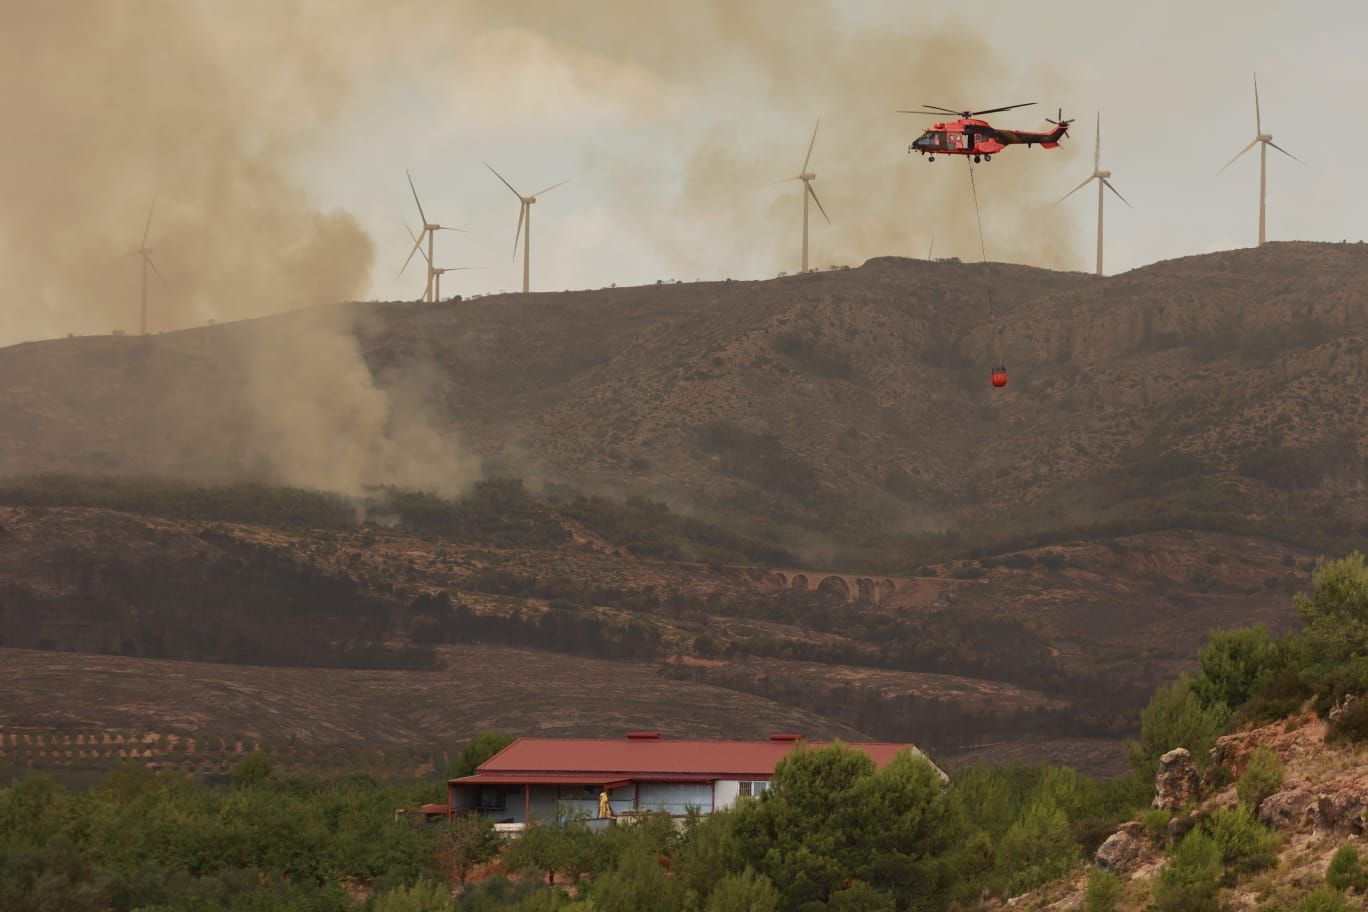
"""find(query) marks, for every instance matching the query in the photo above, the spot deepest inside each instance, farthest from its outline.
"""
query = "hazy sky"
(670, 119)
(1173, 81)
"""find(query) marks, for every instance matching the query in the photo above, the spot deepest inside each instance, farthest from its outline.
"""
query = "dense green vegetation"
(831, 833)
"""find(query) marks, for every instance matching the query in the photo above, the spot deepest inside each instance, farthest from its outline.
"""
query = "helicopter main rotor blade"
(811, 143)
(1085, 183)
(935, 108)
(808, 184)
(1252, 143)
(1024, 104)
(1285, 152)
(501, 177)
(415, 196)
(1106, 183)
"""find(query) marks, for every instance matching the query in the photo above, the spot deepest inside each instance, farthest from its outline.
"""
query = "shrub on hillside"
(1156, 824)
(1104, 891)
(1175, 717)
(1261, 777)
(1245, 844)
(1234, 664)
(1346, 870)
(1191, 882)
(1335, 614)
(1325, 900)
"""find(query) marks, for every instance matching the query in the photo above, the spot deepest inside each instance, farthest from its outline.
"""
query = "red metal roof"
(552, 778)
(565, 760)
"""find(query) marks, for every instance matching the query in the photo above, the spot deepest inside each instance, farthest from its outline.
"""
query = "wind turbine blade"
(417, 245)
(552, 187)
(415, 196)
(445, 228)
(784, 180)
(501, 177)
(1285, 152)
(1252, 143)
(1258, 119)
(817, 201)
(157, 271)
(811, 143)
(1106, 183)
(1075, 189)
(1097, 146)
(148, 226)
(522, 210)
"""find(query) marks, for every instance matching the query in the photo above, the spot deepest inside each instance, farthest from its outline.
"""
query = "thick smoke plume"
(738, 88)
(205, 108)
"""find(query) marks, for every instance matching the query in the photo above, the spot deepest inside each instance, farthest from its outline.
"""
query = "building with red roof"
(546, 778)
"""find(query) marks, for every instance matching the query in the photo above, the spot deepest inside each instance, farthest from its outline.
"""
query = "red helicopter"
(970, 136)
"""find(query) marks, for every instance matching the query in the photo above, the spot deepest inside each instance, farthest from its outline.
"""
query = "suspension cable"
(983, 252)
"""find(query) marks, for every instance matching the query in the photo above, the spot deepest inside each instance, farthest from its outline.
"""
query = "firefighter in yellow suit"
(605, 809)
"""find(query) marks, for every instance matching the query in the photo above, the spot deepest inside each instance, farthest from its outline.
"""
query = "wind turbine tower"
(1264, 140)
(429, 232)
(146, 253)
(807, 177)
(524, 215)
(1103, 179)
(435, 271)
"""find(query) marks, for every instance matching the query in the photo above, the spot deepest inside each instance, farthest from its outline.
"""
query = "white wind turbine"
(807, 177)
(1264, 140)
(429, 231)
(524, 215)
(146, 253)
(1103, 180)
(435, 271)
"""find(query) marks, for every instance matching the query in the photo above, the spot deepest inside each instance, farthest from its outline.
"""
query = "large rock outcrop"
(1177, 783)
(1123, 850)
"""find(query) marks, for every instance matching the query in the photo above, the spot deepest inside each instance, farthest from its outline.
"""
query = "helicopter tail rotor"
(1060, 121)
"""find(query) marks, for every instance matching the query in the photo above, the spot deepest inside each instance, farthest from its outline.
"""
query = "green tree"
(1261, 778)
(475, 752)
(1325, 900)
(252, 768)
(1037, 848)
(861, 897)
(638, 884)
(1335, 613)
(744, 892)
(1103, 893)
(1191, 882)
(1245, 844)
(708, 853)
(1234, 665)
(1173, 718)
(422, 896)
(1346, 871)
(805, 832)
(466, 841)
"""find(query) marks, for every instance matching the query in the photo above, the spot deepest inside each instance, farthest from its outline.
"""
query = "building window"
(753, 788)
